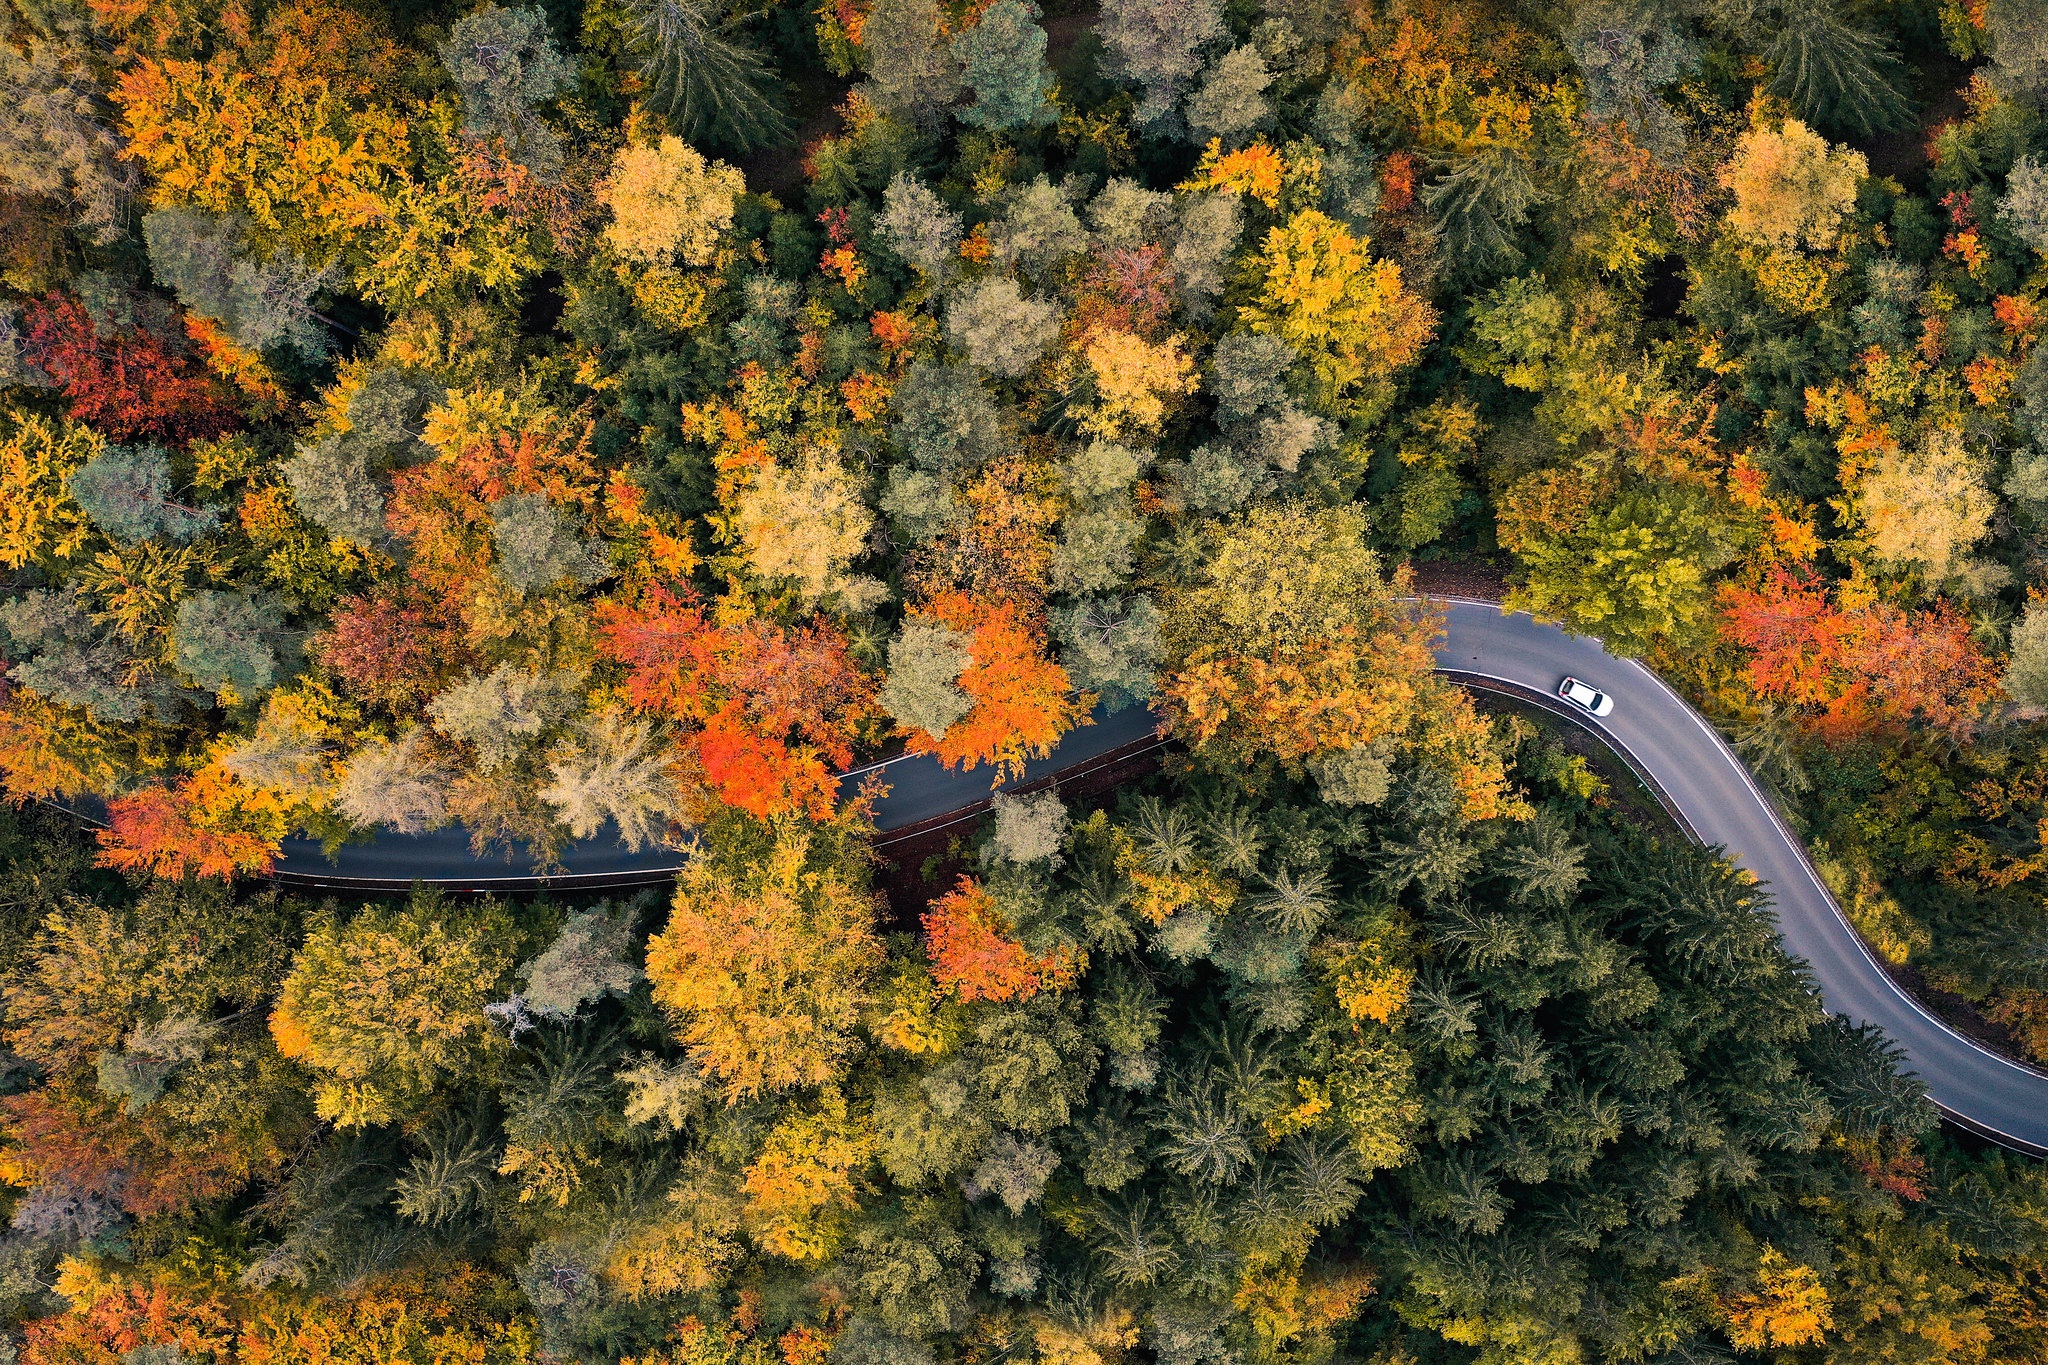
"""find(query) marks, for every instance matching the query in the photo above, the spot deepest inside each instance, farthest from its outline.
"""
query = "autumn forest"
(606, 422)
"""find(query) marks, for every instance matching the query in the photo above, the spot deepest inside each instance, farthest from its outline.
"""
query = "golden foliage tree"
(766, 960)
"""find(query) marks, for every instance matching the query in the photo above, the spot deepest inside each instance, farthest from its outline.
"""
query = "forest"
(613, 420)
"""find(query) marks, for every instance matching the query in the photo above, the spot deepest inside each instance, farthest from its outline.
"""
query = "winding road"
(1692, 770)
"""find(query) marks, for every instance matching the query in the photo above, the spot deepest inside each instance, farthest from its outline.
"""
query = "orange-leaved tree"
(1021, 702)
(974, 956)
(207, 825)
(1857, 661)
(773, 702)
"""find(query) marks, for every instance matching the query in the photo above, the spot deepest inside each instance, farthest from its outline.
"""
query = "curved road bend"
(1712, 793)
(1701, 782)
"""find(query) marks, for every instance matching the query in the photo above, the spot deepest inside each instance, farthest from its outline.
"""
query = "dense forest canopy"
(613, 419)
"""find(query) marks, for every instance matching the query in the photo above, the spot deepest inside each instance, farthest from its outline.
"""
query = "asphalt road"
(1697, 776)
(1713, 794)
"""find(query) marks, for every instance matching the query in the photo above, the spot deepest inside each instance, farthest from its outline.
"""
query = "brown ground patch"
(1480, 578)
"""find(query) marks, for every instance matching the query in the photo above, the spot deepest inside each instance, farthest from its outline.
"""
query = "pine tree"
(1835, 74)
(708, 83)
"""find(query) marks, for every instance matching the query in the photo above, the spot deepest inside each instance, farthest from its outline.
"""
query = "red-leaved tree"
(1861, 666)
(124, 381)
(974, 956)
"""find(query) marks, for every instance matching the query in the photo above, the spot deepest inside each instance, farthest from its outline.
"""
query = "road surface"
(1691, 768)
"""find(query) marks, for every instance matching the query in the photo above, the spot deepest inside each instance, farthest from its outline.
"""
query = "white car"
(1592, 700)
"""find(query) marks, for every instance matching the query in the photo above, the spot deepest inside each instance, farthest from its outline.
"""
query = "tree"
(610, 771)
(919, 227)
(1836, 74)
(1351, 318)
(334, 486)
(667, 201)
(126, 382)
(57, 136)
(1021, 700)
(503, 714)
(590, 958)
(1636, 571)
(808, 524)
(1928, 506)
(1002, 58)
(150, 1056)
(1000, 330)
(1134, 381)
(1028, 830)
(945, 419)
(1481, 202)
(974, 956)
(1626, 56)
(1039, 229)
(766, 960)
(708, 83)
(1231, 106)
(184, 831)
(1208, 233)
(1331, 664)
(539, 549)
(1110, 646)
(1157, 44)
(911, 68)
(1791, 189)
(1096, 550)
(392, 650)
(2019, 45)
(772, 700)
(2024, 205)
(503, 63)
(390, 1004)
(230, 642)
(261, 303)
(2026, 676)
(70, 658)
(126, 490)
(391, 783)
(287, 753)
(39, 522)
(1866, 662)
(925, 663)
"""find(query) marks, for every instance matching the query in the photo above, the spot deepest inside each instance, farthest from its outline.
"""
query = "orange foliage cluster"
(1023, 701)
(974, 957)
(397, 648)
(772, 701)
(125, 383)
(1865, 666)
(1256, 170)
(68, 1133)
(182, 831)
(130, 1319)
(443, 507)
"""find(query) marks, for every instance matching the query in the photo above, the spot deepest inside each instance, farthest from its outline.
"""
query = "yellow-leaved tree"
(766, 960)
(388, 1004)
(1294, 644)
(1352, 317)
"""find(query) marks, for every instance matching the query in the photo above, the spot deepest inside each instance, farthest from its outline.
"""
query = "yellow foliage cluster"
(801, 1188)
(39, 524)
(1352, 316)
(1788, 1306)
(1133, 382)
